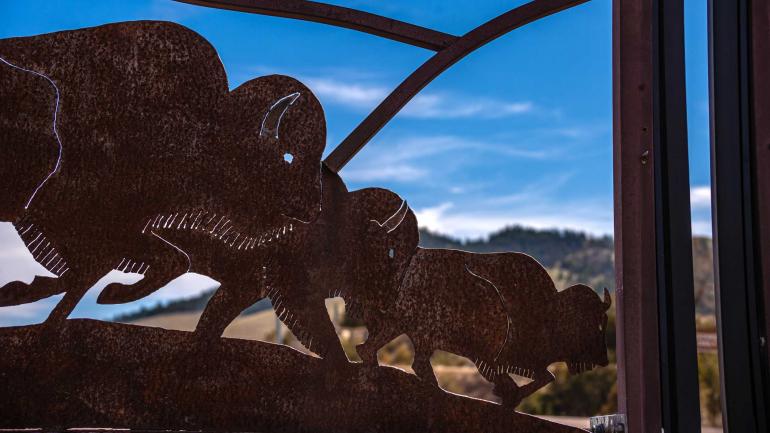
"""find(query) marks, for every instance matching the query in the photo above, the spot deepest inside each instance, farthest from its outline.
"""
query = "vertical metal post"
(657, 364)
(760, 144)
(635, 240)
(680, 402)
(743, 360)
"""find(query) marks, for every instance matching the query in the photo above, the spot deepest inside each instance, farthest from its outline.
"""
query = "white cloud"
(535, 191)
(539, 204)
(16, 262)
(423, 106)
(445, 106)
(350, 94)
(432, 218)
(536, 206)
(448, 219)
(415, 158)
(700, 197)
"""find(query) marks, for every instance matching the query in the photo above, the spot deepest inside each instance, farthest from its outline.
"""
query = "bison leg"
(152, 256)
(226, 304)
(314, 318)
(76, 282)
(154, 278)
(421, 365)
(512, 394)
(374, 342)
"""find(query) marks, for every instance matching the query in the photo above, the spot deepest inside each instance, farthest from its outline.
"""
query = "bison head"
(386, 236)
(581, 325)
(278, 126)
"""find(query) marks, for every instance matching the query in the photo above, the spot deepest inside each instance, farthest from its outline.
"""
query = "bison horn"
(394, 220)
(272, 119)
(607, 299)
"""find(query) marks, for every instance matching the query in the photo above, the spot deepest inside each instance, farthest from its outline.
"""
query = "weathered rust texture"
(97, 374)
(151, 137)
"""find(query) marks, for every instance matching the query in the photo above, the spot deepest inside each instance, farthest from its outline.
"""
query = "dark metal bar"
(739, 300)
(680, 403)
(338, 16)
(760, 68)
(635, 240)
(437, 64)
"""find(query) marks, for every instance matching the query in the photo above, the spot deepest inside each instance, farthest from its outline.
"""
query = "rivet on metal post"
(608, 424)
(645, 156)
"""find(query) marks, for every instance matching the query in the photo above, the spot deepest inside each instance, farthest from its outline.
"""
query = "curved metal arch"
(450, 49)
(338, 16)
(434, 66)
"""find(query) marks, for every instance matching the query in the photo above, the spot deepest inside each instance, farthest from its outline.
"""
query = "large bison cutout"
(111, 132)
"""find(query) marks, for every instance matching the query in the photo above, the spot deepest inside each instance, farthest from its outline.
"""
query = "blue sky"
(519, 132)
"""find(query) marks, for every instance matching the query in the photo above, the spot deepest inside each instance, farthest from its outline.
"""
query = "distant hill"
(571, 257)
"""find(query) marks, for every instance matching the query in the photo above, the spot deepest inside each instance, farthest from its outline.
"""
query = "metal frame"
(635, 240)
(657, 344)
(657, 364)
(738, 31)
(437, 64)
(680, 402)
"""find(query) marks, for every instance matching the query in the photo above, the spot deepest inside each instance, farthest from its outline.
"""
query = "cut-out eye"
(288, 157)
(391, 253)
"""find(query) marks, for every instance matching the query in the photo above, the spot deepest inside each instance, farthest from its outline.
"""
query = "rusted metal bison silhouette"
(106, 143)
(349, 244)
(501, 311)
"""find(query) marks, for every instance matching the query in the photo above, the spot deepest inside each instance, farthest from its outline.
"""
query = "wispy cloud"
(423, 106)
(398, 172)
(344, 93)
(700, 197)
(535, 191)
(540, 203)
(413, 157)
(447, 106)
